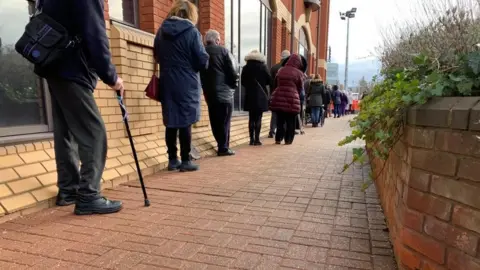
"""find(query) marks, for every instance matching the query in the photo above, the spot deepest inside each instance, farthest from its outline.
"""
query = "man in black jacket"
(77, 120)
(219, 83)
(273, 72)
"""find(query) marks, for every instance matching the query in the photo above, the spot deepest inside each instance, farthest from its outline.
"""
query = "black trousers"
(220, 115)
(255, 125)
(79, 135)
(185, 136)
(285, 127)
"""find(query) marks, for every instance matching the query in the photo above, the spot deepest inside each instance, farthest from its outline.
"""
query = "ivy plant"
(380, 121)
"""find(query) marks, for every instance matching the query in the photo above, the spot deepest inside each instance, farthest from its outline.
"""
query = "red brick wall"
(212, 16)
(276, 39)
(284, 35)
(430, 187)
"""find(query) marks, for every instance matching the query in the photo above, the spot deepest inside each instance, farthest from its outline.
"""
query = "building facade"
(332, 74)
(27, 160)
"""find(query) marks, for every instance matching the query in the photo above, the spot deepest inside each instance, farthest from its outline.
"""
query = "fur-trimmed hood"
(255, 56)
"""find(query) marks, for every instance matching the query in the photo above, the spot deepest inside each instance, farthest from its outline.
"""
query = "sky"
(365, 29)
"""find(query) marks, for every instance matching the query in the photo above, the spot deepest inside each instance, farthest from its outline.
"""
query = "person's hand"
(118, 86)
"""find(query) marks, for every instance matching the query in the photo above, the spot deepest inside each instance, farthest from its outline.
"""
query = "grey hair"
(211, 36)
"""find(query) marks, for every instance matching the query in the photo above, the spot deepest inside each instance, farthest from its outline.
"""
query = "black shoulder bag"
(44, 41)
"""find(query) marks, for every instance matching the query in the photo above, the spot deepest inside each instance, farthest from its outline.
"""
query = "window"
(125, 11)
(248, 26)
(303, 45)
(23, 98)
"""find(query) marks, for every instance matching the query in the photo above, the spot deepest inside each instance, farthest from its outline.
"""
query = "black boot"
(251, 132)
(64, 199)
(257, 136)
(188, 166)
(98, 206)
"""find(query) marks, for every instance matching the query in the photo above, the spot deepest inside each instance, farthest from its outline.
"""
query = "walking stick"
(125, 120)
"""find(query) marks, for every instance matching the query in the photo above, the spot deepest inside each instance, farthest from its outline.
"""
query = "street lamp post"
(347, 16)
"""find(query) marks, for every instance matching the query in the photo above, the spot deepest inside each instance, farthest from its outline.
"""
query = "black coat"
(316, 94)
(255, 78)
(273, 75)
(179, 50)
(92, 58)
(328, 97)
(221, 78)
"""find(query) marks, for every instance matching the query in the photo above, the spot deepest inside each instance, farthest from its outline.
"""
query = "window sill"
(25, 138)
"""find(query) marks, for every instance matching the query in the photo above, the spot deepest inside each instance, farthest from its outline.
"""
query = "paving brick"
(247, 260)
(10, 161)
(4, 191)
(24, 185)
(36, 156)
(17, 202)
(255, 220)
(296, 252)
(8, 175)
(30, 170)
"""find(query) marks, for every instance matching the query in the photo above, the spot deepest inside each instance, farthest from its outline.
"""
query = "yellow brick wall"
(28, 170)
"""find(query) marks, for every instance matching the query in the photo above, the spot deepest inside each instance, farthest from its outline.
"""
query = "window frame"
(265, 40)
(136, 15)
(11, 134)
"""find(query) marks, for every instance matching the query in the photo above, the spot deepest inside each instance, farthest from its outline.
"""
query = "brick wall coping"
(132, 35)
(461, 113)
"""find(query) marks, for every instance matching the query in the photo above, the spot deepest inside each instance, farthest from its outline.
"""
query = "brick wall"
(430, 185)
(28, 171)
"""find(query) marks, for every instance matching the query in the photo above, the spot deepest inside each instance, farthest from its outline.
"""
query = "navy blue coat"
(180, 52)
(92, 58)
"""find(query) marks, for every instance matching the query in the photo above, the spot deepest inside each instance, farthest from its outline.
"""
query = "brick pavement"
(269, 207)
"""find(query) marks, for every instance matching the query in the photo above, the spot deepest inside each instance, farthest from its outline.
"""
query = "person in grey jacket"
(316, 97)
(219, 82)
(76, 118)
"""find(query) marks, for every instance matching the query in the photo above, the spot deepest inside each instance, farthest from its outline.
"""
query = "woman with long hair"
(179, 50)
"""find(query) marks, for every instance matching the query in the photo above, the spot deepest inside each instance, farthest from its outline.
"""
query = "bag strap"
(38, 7)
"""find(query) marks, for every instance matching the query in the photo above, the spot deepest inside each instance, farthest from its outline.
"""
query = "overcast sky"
(365, 29)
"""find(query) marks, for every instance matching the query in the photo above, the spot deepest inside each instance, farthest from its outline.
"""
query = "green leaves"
(474, 62)
(382, 111)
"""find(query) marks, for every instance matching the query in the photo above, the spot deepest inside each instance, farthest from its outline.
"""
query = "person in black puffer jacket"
(255, 79)
(219, 82)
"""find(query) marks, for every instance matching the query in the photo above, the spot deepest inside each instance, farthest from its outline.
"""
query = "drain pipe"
(292, 39)
(318, 40)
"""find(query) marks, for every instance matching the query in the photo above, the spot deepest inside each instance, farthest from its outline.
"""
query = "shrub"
(423, 60)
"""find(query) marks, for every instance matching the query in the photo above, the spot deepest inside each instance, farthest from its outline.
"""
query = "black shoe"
(228, 152)
(278, 142)
(258, 143)
(174, 165)
(288, 143)
(65, 199)
(270, 136)
(98, 206)
(252, 143)
(188, 166)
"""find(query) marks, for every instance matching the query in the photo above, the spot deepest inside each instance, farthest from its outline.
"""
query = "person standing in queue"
(219, 82)
(285, 99)
(179, 50)
(273, 74)
(76, 118)
(255, 79)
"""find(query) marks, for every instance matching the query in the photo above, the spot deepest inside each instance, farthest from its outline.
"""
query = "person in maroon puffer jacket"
(285, 101)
